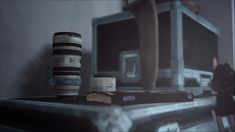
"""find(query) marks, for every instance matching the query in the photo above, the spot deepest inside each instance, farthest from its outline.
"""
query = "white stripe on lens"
(67, 90)
(66, 61)
(59, 77)
(67, 47)
(67, 39)
(67, 87)
(67, 65)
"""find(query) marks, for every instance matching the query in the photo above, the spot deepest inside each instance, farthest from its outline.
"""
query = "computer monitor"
(116, 33)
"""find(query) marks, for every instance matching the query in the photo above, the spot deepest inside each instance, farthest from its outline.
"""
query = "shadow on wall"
(33, 81)
(86, 71)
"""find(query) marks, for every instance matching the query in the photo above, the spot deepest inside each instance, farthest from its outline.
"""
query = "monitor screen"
(199, 43)
(112, 39)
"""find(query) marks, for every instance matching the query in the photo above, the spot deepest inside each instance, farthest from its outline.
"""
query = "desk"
(51, 114)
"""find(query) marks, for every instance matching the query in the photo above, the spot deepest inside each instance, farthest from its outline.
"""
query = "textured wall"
(218, 12)
(233, 18)
(26, 30)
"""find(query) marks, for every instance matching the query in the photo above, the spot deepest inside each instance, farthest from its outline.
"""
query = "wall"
(26, 30)
(233, 19)
(218, 12)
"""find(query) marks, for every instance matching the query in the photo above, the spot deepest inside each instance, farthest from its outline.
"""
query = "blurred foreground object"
(146, 15)
(223, 83)
(223, 80)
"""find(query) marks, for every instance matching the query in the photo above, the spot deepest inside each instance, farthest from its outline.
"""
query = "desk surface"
(102, 117)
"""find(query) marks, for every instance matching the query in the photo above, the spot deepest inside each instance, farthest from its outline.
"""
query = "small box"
(129, 68)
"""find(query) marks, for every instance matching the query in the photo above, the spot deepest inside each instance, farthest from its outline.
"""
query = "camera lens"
(67, 54)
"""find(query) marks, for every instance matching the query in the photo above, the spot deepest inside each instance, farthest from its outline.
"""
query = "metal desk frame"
(103, 118)
(177, 72)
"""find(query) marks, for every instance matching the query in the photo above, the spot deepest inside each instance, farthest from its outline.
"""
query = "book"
(127, 98)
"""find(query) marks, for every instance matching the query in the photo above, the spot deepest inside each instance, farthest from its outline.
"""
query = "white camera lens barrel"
(67, 54)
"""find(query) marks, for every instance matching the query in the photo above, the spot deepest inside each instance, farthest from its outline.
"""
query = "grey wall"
(233, 18)
(218, 12)
(26, 30)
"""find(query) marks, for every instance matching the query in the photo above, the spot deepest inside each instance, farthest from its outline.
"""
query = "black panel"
(67, 44)
(164, 40)
(112, 39)
(200, 45)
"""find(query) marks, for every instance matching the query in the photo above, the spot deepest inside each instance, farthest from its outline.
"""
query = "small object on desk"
(191, 5)
(103, 84)
(127, 98)
(101, 97)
